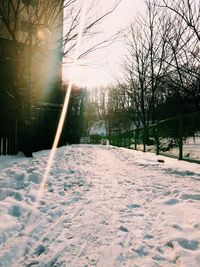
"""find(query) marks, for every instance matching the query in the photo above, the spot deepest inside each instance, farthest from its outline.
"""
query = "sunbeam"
(65, 107)
(60, 125)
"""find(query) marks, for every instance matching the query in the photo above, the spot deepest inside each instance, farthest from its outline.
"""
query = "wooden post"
(180, 137)
(121, 140)
(144, 139)
(117, 140)
(4, 145)
(135, 135)
(129, 139)
(156, 132)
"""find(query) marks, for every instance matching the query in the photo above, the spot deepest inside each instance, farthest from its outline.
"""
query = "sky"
(102, 66)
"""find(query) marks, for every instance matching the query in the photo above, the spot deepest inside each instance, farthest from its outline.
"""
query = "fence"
(17, 136)
(46, 117)
(177, 137)
(8, 137)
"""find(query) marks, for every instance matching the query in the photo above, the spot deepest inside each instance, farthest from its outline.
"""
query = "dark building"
(30, 74)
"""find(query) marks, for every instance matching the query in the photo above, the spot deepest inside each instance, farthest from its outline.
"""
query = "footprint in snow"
(184, 243)
(141, 251)
(123, 229)
(39, 250)
(190, 196)
(61, 193)
(35, 177)
(121, 258)
(148, 236)
(171, 201)
(177, 227)
(133, 206)
(15, 211)
(30, 170)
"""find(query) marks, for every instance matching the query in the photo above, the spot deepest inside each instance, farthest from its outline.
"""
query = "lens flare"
(43, 34)
(43, 183)
(65, 106)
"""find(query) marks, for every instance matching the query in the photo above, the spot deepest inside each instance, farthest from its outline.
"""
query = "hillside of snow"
(102, 206)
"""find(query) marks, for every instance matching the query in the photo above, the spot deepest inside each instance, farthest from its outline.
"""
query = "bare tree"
(183, 41)
(38, 26)
(187, 10)
(52, 15)
(146, 62)
(163, 59)
(119, 117)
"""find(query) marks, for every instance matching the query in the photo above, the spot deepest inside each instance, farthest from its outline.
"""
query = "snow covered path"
(103, 206)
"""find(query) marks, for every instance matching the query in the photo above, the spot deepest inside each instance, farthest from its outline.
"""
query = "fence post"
(144, 139)
(129, 139)
(109, 139)
(115, 140)
(123, 140)
(135, 135)
(15, 138)
(156, 131)
(180, 137)
(119, 140)
(4, 145)
(112, 139)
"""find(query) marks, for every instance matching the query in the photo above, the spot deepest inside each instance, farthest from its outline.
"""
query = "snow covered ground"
(102, 206)
(191, 148)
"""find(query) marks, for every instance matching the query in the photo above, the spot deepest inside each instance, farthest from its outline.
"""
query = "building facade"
(30, 63)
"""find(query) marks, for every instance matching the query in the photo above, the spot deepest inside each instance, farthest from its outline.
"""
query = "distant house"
(98, 128)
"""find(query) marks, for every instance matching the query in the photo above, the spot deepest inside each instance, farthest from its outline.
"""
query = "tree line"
(161, 70)
(161, 67)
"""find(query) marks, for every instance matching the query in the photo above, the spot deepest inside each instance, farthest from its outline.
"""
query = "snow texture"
(102, 206)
